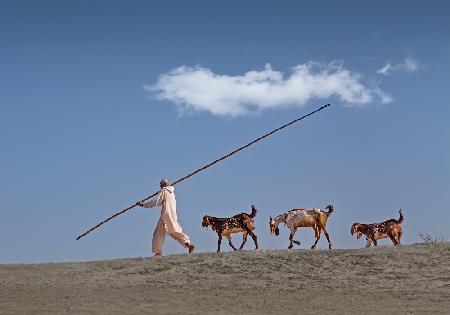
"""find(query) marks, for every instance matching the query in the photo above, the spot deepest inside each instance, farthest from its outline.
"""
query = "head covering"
(164, 182)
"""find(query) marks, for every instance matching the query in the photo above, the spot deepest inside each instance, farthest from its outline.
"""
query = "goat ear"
(270, 218)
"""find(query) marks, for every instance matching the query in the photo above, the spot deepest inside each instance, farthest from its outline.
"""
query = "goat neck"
(280, 219)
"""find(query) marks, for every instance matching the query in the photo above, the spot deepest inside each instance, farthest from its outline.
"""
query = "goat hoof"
(235, 249)
(313, 247)
(290, 246)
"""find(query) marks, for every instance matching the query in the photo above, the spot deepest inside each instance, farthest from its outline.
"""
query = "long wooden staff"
(203, 168)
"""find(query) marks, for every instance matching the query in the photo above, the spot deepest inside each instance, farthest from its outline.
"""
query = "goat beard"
(358, 235)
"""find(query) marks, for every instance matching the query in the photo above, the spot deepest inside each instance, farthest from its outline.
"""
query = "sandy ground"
(410, 279)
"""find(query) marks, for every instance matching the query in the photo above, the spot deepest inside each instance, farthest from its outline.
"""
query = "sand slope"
(410, 279)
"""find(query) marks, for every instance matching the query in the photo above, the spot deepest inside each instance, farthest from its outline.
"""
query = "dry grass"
(430, 239)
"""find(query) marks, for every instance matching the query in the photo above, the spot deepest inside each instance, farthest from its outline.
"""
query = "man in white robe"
(168, 222)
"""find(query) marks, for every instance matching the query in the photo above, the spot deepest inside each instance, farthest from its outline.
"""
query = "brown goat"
(242, 222)
(391, 228)
(315, 218)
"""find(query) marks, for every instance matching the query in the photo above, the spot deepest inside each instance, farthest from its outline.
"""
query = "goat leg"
(290, 240)
(328, 238)
(394, 240)
(244, 240)
(315, 243)
(230, 243)
(218, 243)
(255, 239)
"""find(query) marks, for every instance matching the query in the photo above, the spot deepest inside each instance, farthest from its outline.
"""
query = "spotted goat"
(295, 218)
(242, 222)
(391, 228)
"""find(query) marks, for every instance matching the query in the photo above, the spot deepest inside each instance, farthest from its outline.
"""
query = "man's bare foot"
(190, 247)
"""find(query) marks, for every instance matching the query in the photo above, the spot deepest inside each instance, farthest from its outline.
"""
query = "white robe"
(168, 222)
(166, 199)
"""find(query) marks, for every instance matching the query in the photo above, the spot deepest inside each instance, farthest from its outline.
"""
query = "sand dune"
(410, 279)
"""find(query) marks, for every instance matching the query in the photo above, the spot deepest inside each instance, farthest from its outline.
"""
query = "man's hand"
(140, 203)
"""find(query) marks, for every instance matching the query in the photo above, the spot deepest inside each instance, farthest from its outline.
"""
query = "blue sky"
(88, 125)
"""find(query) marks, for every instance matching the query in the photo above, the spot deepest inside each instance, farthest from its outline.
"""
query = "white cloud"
(200, 89)
(408, 65)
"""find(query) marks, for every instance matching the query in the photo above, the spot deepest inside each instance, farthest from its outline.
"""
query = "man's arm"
(157, 201)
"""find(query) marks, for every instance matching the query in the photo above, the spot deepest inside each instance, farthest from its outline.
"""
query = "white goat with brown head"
(295, 218)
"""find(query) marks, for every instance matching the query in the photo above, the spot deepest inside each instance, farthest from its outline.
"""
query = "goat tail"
(400, 220)
(330, 210)
(254, 211)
